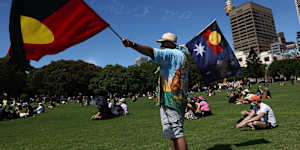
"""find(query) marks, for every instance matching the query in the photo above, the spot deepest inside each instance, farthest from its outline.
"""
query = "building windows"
(267, 59)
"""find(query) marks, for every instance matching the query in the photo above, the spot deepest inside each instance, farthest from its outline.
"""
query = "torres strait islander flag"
(213, 55)
(43, 27)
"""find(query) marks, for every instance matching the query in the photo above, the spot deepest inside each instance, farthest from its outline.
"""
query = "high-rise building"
(297, 3)
(281, 37)
(298, 40)
(279, 45)
(291, 45)
(252, 26)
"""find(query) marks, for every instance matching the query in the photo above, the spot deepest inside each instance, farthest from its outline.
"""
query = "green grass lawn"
(69, 128)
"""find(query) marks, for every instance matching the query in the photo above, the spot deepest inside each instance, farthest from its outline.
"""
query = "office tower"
(298, 40)
(281, 37)
(297, 3)
(252, 26)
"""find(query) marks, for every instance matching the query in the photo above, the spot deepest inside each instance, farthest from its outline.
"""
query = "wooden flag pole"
(115, 32)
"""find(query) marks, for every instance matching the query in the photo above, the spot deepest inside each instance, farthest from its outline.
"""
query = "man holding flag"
(173, 81)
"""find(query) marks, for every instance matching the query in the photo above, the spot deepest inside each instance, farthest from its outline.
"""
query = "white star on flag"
(199, 49)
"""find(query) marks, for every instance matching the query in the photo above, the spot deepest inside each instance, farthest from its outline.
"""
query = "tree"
(109, 80)
(133, 79)
(13, 82)
(63, 77)
(149, 78)
(254, 65)
(36, 82)
(286, 67)
(194, 74)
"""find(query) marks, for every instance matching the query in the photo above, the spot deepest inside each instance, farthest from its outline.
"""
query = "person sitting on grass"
(211, 92)
(233, 96)
(203, 108)
(244, 98)
(20, 113)
(259, 91)
(190, 109)
(2, 112)
(52, 104)
(261, 116)
(11, 114)
(247, 100)
(268, 93)
(40, 109)
(97, 116)
(104, 112)
(29, 110)
(124, 106)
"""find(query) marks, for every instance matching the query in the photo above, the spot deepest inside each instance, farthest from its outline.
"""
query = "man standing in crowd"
(172, 88)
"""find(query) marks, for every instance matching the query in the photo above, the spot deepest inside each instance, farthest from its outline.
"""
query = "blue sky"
(144, 21)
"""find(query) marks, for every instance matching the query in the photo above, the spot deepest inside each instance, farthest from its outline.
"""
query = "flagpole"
(115, 32)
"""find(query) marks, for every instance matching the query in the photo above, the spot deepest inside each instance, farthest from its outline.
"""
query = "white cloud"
(141, 12)
(186, 15)
(168, 14)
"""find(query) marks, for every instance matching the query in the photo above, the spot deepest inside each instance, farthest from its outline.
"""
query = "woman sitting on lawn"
(203, 108)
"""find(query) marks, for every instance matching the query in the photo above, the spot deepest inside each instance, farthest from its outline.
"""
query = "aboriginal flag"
(213, 55)
(43, 27)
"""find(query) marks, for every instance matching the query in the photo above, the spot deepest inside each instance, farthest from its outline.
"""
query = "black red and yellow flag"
(43, 27)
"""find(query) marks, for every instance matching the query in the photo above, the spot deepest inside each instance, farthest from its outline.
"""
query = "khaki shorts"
(172, 123)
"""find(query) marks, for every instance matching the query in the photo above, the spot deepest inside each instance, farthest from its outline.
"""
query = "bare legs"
(179, 144)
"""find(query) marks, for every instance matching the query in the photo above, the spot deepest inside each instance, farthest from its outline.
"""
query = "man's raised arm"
(145, 50)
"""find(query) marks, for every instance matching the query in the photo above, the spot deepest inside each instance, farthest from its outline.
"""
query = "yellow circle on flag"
(214, 38)
(35, 32)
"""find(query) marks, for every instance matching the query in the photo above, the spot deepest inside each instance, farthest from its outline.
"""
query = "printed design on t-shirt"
(176, 82)
(176, 86)
(165, 84)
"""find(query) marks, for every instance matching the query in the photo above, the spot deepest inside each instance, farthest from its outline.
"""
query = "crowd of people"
(242, 93)
(260, 115)
(11, 108)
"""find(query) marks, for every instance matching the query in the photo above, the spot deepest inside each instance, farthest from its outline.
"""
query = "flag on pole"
(213, 55)
(43, 27)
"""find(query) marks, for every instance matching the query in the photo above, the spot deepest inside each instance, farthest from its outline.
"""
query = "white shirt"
(269, 114)
(125, 108)
(40, 109)
(109, 105)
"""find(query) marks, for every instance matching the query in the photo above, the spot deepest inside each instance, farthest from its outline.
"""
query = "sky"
(144, 22)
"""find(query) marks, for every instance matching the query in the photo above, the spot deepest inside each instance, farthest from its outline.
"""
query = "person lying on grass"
(261, 116)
